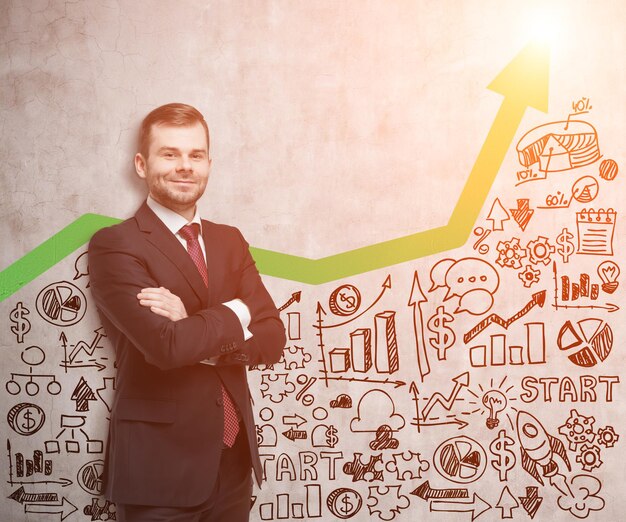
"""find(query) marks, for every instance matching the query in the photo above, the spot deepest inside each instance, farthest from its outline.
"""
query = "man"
(184, 305)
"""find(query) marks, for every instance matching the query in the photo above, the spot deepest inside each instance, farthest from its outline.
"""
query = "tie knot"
(190, 231)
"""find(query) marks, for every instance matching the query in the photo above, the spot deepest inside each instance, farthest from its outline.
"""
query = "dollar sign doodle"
(444, 335)
(505, 458)
(22, 325)
(350, 299)
(30, 422)
(566, 247)
(347, 506)
(331, 436)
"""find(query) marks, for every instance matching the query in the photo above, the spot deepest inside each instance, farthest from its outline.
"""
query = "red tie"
(231, 424)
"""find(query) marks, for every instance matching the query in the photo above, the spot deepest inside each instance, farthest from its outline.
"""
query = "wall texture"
(337, 126)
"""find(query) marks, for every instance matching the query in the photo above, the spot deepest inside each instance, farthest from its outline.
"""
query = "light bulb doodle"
(609, 272)
(495, 402)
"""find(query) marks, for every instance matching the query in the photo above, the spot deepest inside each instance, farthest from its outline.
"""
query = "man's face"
(177, 167)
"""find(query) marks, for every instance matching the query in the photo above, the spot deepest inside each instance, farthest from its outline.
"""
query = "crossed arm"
(156, 322)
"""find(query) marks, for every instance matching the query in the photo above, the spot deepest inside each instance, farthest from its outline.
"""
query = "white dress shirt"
(174, 222)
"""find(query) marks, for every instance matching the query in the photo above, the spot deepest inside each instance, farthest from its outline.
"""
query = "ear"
(140, 165)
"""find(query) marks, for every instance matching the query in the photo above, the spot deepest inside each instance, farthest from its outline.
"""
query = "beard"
(176, 196)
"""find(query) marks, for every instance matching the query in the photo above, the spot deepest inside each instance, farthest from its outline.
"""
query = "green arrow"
(523, 83)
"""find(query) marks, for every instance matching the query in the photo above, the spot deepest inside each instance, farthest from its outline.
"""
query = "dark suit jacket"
(165, 434)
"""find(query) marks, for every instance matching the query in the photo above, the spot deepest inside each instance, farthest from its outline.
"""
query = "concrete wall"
(334, 126)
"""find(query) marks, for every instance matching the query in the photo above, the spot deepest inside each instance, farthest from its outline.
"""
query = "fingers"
(164, 312)
(162, 302)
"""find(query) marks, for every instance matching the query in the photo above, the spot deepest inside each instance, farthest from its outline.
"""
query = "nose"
(184, 163)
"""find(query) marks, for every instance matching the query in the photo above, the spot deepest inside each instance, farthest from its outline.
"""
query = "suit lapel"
(161, 237)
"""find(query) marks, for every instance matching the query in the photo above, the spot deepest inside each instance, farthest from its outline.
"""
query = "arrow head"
(540, 298)
(387, 282)
(296, 296)
(417, 294)
(462, 424)
(100, 331)
(67, 508)
(463, 379)
(479, 506)
(18, 495)
(422, 491)
(507, 503)
(526, 78)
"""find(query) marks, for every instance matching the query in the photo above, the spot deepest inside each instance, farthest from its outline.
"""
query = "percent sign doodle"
(21, 325)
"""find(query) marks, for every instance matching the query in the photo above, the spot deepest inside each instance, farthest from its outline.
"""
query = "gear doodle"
(578, 429)
(589, 457)
(540, 250)
(358, 470)
(510, 253)
(407, 465)
(277, 387)
(529, 276)
(607, 437)
(294, 357)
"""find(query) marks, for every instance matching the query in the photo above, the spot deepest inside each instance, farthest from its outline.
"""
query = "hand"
(162, 302)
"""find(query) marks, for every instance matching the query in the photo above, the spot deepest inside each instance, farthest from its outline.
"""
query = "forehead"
(178, 136)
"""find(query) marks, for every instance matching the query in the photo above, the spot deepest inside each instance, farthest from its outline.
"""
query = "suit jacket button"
(219, 401)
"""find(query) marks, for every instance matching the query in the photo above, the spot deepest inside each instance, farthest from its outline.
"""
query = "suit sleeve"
(117, 274)
(268, 333)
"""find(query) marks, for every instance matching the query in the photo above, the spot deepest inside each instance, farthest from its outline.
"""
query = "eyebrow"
(174, 149)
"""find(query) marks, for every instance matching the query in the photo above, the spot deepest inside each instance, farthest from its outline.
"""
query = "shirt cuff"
(243, 313)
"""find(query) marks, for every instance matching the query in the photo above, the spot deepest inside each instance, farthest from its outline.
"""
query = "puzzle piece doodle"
(294, 357)
(394, 500)
(98, 511)
(277, 387)
(358, 470)
(407, 465)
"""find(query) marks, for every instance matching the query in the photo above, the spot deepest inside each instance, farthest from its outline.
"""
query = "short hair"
(179, 114)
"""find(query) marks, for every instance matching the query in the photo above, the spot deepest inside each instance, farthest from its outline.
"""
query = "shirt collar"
(172, 220)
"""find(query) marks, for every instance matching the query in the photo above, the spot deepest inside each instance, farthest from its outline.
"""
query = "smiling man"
(182, 302)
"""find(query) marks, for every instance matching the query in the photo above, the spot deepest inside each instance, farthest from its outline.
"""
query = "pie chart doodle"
(460, 459)
(90, 477)
(61, 303)
(588, 343)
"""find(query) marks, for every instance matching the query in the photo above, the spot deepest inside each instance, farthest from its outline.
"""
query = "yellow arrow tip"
(526, 78)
